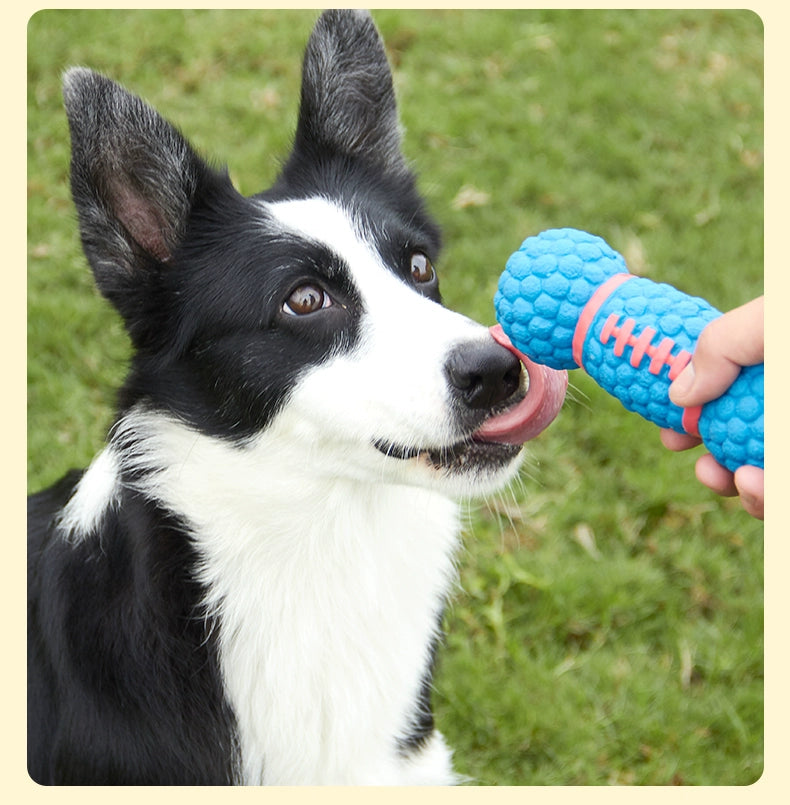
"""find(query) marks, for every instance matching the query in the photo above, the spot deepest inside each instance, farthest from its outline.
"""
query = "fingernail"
(682, 384)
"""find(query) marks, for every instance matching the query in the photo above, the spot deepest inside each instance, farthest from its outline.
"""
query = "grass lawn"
(608, 628)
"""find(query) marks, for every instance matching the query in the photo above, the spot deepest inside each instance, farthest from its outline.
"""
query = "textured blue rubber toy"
(545, 287)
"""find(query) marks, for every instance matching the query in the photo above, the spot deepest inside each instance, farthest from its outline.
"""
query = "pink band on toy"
(690, 420)
(590, 311)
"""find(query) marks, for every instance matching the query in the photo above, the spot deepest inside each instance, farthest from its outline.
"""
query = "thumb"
(725, 345)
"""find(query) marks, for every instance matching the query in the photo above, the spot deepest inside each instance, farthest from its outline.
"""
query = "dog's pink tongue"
(545, 395)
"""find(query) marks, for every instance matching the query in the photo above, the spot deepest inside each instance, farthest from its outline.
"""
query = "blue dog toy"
(566, 300)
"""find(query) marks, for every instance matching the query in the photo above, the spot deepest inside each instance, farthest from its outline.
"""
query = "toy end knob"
(545, 287)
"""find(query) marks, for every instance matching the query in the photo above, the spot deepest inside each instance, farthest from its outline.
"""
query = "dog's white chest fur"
(330, 682)
(327, 612)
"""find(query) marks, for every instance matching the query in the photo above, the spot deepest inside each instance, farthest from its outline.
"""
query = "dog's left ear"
(347, 101)
(135, 181)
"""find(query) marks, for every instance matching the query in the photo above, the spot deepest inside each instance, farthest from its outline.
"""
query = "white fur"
(97, 490)
(329, 591)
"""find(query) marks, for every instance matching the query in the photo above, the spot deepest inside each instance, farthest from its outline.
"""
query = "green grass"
(609, 623)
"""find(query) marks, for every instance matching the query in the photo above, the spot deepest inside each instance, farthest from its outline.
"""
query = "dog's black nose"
(483, 373)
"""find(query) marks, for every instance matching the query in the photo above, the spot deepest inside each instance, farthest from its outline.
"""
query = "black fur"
(123, 682)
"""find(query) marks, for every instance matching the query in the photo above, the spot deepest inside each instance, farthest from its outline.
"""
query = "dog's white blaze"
(397, 373)
(97, 490)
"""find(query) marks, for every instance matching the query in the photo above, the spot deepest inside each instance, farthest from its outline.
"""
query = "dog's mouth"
(467, 453)
(500, 437)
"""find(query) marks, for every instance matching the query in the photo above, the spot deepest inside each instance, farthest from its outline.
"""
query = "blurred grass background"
(608, 628)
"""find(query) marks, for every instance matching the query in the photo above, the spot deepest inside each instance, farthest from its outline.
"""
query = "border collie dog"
(246, 585)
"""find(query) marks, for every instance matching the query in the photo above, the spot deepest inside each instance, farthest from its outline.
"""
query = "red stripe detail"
(660, 356)
(623, 338)
(642, 345)
(678, 363)
(590, 311)
(609, 327)
(690, 420)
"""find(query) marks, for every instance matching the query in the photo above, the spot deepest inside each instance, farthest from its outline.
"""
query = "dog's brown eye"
(306, 299)
(421, 268)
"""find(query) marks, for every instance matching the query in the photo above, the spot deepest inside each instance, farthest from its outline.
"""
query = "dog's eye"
(306, 299)
(421, 268)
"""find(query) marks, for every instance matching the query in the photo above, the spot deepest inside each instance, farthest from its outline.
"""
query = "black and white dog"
(246, 585)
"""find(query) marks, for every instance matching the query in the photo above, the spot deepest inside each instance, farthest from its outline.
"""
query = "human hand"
(725, 345)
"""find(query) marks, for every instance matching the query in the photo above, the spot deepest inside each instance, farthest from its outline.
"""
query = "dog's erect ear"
(348, 103)
(133, 177)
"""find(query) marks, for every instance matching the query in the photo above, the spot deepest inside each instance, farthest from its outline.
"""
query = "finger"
(714, 476)
(673, 440)
(725, 345)
(750, 482)
(703, 380)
